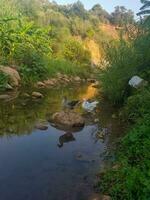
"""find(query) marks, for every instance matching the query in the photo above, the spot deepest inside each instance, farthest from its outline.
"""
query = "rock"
(69, 119)
(8, 87)
(96, 120)
(5, 97)
(66, 80)
(41, 84)
(59, 75)
(137, 82)
(37, 95)
(102, 133)
(41, 126)
(114, 116)
(96, 84)
(77, 79)
(95, 197)
(106, 197)
(116, 167)
(49, 82)
(26, 95)
(23, 103)
(90, 80)
(14, 77)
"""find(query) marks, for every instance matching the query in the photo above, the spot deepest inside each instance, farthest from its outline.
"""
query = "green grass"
(66, 67)
(131, 181)
(42, 69)
(122, 66)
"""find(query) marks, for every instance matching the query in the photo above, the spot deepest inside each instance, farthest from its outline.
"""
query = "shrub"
(35, 71)
(75, 52)
(132, 179)
(137, 105)
(66, 67)
(123, 61)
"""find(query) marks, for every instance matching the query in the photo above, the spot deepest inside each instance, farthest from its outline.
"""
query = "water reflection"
(50, 164)
(67, 137)
(20, 115)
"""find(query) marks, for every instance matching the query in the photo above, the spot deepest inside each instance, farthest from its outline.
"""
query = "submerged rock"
(68, 119)
(41, 126)
(37, 95)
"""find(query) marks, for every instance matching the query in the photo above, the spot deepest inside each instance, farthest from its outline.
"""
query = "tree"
(144, 9)
(98, 11)
(121, 16)
(75, 52)
(77, 9)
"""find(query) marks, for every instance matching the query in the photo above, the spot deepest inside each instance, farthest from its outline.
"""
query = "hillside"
(38, 35)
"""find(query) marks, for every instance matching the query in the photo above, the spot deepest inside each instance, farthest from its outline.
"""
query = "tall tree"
(121, 16)
(98, 11)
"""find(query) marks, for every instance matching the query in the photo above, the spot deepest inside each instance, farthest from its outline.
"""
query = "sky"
(107, 4)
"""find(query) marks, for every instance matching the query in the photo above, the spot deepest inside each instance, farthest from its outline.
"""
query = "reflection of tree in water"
(67, 137)
(20, 115)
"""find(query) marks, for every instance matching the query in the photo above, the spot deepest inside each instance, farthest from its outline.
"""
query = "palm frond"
(146, 5)
(144, 12)
(144, 1)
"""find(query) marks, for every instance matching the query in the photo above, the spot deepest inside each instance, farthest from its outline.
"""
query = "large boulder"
(14, 77)
(68, 119)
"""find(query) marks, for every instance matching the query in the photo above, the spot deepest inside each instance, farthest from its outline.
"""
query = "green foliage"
(34, 69)
(34, 32)
(66, 67)
(132, 179)
(121, 16)
(99, 12)
(141, 45)
(137, 105)
(3, 80)
(144, 9)
(123, 61)
(75, 52)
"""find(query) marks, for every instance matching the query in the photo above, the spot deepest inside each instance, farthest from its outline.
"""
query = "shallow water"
(50, 165)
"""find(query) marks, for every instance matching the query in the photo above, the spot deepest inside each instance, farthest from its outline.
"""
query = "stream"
(47, 164)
